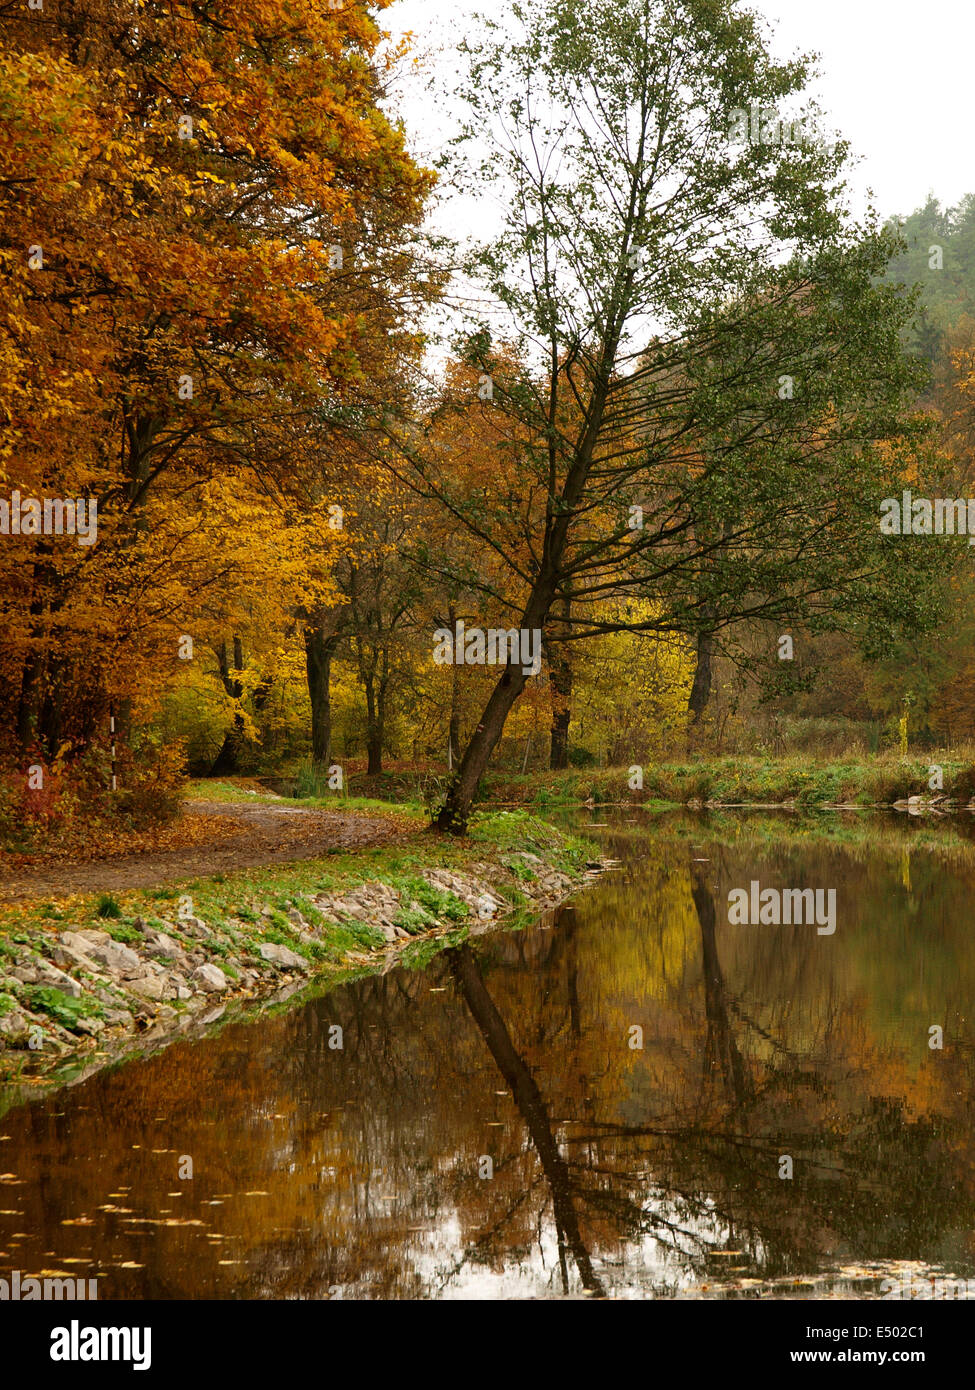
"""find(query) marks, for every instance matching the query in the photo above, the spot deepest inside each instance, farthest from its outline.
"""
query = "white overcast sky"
(895, 80)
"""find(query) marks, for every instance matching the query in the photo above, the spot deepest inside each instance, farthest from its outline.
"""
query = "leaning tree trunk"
(460, 796)
(477, 754)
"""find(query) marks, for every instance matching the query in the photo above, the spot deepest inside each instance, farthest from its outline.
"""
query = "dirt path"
(257, 834)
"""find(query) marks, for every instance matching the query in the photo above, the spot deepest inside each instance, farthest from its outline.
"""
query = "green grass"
(870, 780)
(511, 832)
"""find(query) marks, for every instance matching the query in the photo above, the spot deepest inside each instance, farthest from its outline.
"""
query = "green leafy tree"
(699, 364)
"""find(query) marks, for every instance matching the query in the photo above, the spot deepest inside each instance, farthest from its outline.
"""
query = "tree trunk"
(228, 759)
(477, 754)
(453, 729)
(319, 650)
(560, 684)
(374, 745)
(374, 751)
(377, 690)
(701, 689)
(560, 681)
(27, 703)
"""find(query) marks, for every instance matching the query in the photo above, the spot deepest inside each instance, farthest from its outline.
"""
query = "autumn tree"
(203, 218)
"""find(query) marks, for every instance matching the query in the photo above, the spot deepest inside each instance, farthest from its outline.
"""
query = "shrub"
(153, 789)
(582, 757)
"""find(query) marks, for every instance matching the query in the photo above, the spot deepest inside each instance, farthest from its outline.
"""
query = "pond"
(635, 1097)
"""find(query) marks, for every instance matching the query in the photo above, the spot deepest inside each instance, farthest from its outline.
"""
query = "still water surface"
(635, 1172)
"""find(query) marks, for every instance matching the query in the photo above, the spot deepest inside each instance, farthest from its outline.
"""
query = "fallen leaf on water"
(157, 1221)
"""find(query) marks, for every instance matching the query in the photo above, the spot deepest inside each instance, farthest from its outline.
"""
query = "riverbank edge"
(941, 783)
(939, 780)
(171, 965)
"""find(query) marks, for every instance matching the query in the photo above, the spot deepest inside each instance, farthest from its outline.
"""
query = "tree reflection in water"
(355, 1172)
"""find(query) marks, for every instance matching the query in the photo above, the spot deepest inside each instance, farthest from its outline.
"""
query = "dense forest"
(659, 439)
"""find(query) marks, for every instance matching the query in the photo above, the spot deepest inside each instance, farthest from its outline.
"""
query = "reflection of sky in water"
(640, 1173)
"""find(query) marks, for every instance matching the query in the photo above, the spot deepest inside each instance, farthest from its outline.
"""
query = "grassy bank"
(880, 780)
(81, 978)
(855, 780)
